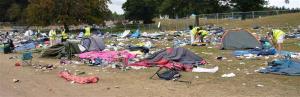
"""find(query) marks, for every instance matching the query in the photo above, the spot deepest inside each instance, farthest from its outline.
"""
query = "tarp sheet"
(283, 67)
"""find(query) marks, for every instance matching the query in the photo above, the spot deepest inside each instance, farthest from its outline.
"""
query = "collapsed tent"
(283, 67)
(62, 50)
(239, 39)
(93, 43)
(179, 58)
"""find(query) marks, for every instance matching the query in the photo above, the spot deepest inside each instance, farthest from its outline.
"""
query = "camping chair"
(171, 69)
(26, 57)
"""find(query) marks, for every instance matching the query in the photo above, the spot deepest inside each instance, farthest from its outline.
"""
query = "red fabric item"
(165, 64)
(77, 79)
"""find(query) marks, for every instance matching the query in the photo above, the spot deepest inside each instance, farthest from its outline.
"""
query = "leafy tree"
(144, 10)
(14, 12)
(248, 5)
(182, 8)
(67, 12)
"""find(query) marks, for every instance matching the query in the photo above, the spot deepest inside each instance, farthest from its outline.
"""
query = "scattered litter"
(200, 69)
(243, 84)
(259, 85)
(196, 77)
(229, 75)
(16, 80)
(137, 67)
(261, 68)
(242, 63)
(17, 64)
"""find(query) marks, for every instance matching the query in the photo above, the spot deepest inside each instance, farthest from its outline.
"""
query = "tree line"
(52, 12)
(146, 10)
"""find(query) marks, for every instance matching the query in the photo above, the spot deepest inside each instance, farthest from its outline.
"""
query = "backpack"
(169, 74)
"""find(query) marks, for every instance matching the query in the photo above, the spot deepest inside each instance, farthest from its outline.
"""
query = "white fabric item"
(81, 48)
(200, 69)
(125, 33)
(280, 39)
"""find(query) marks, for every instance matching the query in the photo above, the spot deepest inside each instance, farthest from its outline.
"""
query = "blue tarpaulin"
(283, 67)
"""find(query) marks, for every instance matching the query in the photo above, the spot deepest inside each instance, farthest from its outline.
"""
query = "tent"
(179, 58)
(239, 39)
(93, 43)
(62, 50)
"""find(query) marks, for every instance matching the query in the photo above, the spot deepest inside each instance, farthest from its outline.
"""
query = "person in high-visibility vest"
(64, 35)
(202, 34)
(87, 32)
(277, 37)
(194, 32)
(52, 37)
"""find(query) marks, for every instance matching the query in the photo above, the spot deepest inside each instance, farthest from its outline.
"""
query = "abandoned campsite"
(149, 48)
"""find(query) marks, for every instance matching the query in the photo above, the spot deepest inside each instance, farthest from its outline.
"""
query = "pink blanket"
(109, 56)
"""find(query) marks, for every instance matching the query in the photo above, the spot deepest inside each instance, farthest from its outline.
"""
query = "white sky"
(116, 5)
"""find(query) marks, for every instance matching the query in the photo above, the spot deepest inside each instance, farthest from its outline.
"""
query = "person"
(52, 36)
(202, 34)
(277, 37)
(87, 32)
(194, 32)
(64, 35)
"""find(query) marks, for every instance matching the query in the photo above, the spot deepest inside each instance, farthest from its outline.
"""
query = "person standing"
(194, 33)
(64, 35)
(87, 32)
(52, 37)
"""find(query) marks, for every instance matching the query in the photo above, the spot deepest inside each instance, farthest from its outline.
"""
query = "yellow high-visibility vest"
(52, 35)
(64, 34)
(277, 33)
(87, 32)
(203, 32)
(194, 30)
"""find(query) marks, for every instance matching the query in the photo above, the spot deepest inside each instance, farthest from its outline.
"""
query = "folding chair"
(26, 57)
(174, 68)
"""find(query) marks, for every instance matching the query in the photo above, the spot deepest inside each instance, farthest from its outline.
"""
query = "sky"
(116, 5)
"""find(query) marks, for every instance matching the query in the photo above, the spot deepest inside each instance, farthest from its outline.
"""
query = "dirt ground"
(136, 83)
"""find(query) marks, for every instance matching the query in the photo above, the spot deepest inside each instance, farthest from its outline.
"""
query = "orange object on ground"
(77, 79)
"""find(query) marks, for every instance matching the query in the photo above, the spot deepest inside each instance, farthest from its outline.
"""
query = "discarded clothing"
(109, 56)
(179, 58)
(283, 67)
(77, 79)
